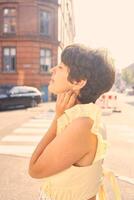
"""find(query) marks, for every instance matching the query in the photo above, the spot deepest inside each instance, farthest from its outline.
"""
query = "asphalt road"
(120, 135)
(20, 131)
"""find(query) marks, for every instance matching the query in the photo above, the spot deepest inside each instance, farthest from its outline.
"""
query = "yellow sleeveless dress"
(77, 183)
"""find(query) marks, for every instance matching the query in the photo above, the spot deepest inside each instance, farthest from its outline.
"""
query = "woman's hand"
(65, 101)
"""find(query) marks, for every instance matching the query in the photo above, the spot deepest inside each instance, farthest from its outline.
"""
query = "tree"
(128, 75)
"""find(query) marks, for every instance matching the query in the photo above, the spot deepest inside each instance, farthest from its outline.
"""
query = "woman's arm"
(63, 102)
(48, 137)
(64, 150)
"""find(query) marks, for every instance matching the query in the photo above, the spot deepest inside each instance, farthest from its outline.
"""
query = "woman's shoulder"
(90, 111)
(83, 110)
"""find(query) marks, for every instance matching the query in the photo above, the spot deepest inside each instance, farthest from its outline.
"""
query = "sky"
(107, 24)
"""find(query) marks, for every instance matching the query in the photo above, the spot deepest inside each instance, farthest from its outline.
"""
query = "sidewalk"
(15, 183)
(43, 107)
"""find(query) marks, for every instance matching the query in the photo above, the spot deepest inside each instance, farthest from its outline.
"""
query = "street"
(120, 135)
(21, 130)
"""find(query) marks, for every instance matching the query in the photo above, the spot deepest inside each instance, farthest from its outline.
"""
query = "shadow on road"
(130, 103)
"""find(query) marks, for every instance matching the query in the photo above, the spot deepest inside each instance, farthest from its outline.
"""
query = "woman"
(69, 156)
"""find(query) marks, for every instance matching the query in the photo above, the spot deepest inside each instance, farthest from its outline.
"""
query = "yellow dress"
(77, 183)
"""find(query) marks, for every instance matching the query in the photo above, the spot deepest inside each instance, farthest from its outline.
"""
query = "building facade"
(32, 33)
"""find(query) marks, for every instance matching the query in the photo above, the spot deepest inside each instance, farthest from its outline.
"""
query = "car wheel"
(33, 103)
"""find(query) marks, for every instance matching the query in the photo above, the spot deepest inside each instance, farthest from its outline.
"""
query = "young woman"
(69, 156)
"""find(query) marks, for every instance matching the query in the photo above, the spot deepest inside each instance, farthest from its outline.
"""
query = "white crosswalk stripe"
(16, 150)
(30, 130)
(24, 139)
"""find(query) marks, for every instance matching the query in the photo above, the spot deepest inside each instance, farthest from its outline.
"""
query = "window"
(45, 60)
(45, 23)
(9, 59)
(9, 19)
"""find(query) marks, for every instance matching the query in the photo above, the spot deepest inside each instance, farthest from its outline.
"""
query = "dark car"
(19, 96)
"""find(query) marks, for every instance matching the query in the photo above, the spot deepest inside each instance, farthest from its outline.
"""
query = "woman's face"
(59, 83)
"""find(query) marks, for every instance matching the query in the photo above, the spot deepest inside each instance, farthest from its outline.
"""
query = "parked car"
(19, 96)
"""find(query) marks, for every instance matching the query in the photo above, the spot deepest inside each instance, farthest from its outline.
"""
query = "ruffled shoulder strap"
(80, 110)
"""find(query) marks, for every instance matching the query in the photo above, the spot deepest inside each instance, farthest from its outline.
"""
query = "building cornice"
(49, 1)
(8, 2)
(30, 39)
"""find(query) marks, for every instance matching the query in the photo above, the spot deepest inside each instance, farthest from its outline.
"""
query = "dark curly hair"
(92, 65)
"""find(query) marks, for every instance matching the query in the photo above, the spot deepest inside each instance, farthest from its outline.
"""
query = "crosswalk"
(23, 140)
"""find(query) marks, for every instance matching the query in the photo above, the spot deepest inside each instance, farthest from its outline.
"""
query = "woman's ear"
(77, 85)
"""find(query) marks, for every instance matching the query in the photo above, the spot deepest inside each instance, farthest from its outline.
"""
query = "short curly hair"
(92, 65)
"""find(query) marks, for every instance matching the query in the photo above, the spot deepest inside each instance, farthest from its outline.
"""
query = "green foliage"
(128, 75)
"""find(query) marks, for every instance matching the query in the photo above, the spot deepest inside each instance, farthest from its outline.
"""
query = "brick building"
(32, 34)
